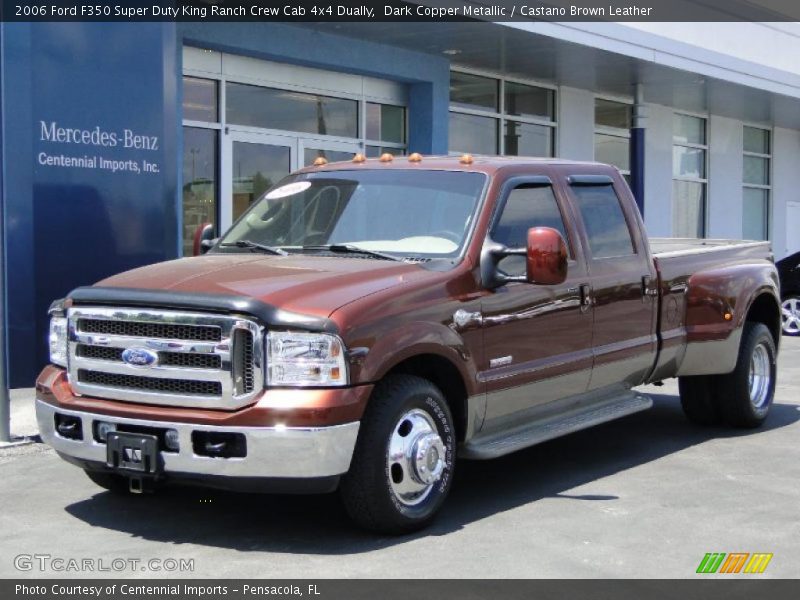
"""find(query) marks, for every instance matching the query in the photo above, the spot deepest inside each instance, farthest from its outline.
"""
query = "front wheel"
(402, 467)
(790, 315)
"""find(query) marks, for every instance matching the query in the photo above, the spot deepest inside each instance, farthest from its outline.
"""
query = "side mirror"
(545, 259)
(546, 256)
(203, 239)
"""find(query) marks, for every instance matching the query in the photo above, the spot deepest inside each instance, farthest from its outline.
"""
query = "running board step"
(506, 442)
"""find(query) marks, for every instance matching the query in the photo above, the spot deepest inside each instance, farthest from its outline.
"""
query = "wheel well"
(765, 309)
(444, 375)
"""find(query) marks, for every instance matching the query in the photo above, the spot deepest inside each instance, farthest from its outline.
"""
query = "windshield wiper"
(256, 246)
(349, 248)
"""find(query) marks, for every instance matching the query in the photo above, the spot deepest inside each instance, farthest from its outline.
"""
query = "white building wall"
(725, 174)
(658, 171)
(575, 124)
(785, 192)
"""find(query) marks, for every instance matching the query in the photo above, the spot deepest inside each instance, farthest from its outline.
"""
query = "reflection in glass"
(756, 170)
(756, 140)
(200, 100)
(527, 139)
(311, 154)
(386, 123)
(689, 130)
(608, 113)
(528, 101)
(199, 187)
(755, 219)
(612, 150)
(376, 151)
(689, 162)
(256, 168)
(688, 209)
(470, 133)
(473, 91)
(291, 111)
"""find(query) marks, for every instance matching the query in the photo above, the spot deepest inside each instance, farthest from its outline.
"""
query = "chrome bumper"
(291, 452)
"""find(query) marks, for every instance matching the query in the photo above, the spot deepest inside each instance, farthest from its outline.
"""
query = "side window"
(604, 220)
(526, 206)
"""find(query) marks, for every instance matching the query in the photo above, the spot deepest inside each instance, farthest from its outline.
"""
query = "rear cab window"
(607, 230)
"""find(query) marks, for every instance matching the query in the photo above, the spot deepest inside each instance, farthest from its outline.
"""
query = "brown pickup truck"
(364, 325)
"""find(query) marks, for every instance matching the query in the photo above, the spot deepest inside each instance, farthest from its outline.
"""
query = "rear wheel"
(745, 395)
(790, 315)
(698, 399)
(402, 467)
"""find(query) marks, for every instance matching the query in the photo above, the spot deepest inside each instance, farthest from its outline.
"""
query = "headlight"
(305, 359)
(58, 334)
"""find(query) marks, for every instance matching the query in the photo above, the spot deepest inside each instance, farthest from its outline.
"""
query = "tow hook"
(140, 485)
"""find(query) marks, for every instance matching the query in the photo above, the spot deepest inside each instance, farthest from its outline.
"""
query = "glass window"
(755, 221)
(608, 113)
(472, 91)
(612, 150)
(376, 151)
(604, 221)
(689, 162)
(386, 123)
(256, 168)
(470, 133)
(756, 140)
(528, 139)
(312, 154)
(689, 209)
(290, 111)
(689, 130)
(200, 187)
(529, 101)
(526, 206)
(404, 212)
(756, 170)
(200, 101)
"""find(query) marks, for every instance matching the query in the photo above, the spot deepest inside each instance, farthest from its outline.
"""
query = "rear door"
(623, 280)
(537, 338)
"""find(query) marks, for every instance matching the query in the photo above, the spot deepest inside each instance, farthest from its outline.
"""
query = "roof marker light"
(359, 158)
(415, 157)
(386, 157)
(466, 159)
(320, 161)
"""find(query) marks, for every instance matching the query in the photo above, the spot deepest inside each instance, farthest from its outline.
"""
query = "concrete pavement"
(645, 496)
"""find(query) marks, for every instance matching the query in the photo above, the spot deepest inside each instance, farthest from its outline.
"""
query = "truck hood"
(315, 285)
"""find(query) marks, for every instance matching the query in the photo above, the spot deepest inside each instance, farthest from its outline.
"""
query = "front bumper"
(272, 452)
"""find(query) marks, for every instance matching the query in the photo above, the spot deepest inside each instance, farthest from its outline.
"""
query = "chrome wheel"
(790, 316)
(416, 457)
(760, 376)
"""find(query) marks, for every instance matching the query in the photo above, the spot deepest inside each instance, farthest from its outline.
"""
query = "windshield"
(404, 213)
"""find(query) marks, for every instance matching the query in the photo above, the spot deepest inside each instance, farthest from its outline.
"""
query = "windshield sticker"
(288, 190)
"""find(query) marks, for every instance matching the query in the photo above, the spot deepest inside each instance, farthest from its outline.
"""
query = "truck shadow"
(319, 525)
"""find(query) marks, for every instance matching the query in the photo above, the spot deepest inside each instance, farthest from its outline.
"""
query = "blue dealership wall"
(83, 197)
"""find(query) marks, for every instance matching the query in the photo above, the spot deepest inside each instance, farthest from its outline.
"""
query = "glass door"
(252, 164)
(310, 150)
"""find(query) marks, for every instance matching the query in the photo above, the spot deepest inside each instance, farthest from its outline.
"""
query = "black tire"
(733, 392)
(790, 305)
(109, 481)
(367, 488)
(698, 399)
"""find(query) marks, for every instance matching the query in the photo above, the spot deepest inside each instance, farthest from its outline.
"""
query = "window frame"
(500, 116)
(704, 181)
(768, 187)
(617, 132)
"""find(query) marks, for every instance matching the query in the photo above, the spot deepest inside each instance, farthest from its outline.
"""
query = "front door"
(537, 338)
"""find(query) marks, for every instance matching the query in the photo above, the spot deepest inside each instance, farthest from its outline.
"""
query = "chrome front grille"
(196, 360)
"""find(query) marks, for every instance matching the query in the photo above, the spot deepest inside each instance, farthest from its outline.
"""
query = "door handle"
(586, 296)
(647, 290)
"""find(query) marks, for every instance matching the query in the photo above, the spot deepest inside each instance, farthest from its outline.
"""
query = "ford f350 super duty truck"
(365, 325)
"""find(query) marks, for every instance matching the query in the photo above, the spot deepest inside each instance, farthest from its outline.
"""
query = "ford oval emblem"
(140, 357)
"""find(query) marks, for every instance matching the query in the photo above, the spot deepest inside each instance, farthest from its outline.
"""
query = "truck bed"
(668, 247)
